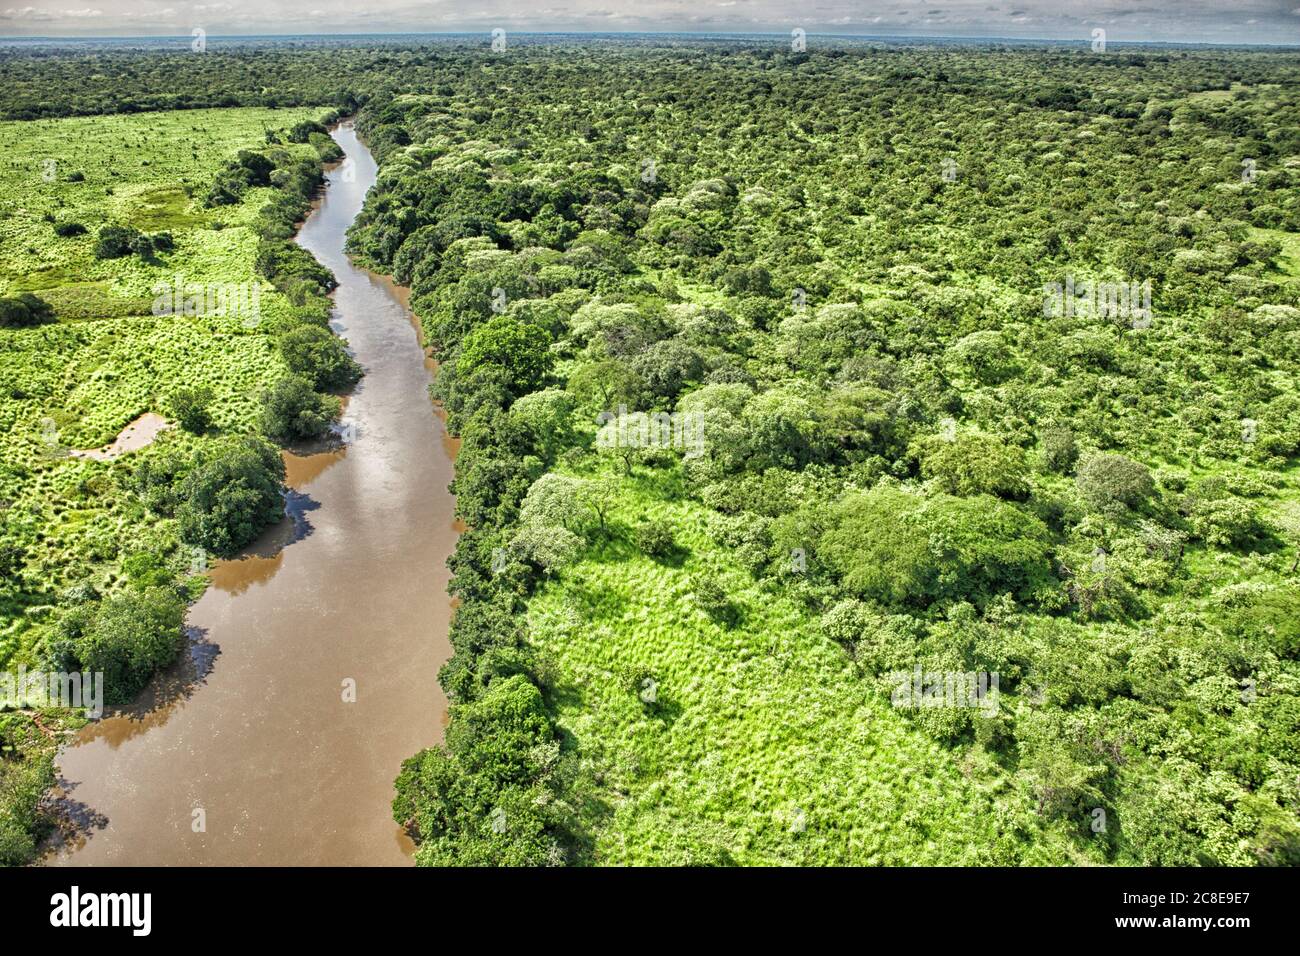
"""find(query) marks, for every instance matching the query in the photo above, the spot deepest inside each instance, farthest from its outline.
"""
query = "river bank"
(314, 657)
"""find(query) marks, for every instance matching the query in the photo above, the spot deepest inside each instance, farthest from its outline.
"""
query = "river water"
(254, 749)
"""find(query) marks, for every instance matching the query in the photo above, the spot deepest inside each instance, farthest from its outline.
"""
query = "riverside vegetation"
(841, 262)
(116, 231)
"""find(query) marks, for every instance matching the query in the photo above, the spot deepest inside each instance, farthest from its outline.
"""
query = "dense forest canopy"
(839, 262)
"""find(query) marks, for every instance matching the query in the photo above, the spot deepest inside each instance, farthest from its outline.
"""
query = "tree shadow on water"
(165, 693)
(74, 823)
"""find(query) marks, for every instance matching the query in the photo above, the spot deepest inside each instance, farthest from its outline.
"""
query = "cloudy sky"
(1237, 21)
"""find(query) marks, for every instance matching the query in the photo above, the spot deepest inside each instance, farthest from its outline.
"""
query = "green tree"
(294, 411)
(23, 310)
(191, 406)
(482, 799)
(229, 498)
(134, 634)
(518, 348)
(320, 357)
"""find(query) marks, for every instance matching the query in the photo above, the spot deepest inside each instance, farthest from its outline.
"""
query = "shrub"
(896, 547)
(134, 634)
(1107, 481)
(1057, 450)
(975, 464)
(66, 230)
(156, 475)
(190, 407)
(294, 411)
(24, 310)
(23, 783)
(1228, 522)
(114, 242)
(228, 499)
(711, 598)
(301, 132)
(319, 356)
(655, 538)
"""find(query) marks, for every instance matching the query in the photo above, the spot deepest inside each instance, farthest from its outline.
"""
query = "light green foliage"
(975, 464)
(766, 747)
(505, 343)
(897, 547)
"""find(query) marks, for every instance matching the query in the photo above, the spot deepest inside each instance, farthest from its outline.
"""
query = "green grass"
(108, 359)
(766, 747)
(1289, 260)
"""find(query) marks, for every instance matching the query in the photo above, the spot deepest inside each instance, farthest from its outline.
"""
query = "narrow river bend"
(247, 752)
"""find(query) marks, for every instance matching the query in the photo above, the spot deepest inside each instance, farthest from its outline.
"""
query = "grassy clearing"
(78, 382)
(1289, 260)
(764, 745)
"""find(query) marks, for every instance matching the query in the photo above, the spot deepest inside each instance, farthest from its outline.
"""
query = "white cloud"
(1204, 20)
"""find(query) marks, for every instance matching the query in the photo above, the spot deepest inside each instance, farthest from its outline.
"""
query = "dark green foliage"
(287, 264)
(301, 132)
(319, 356)
(116, 241)
(486, 799)
(156, 476)
(520, 350)
(655, 538)
(294, 411)
(897, 547)
(247, 170)
(24, 781)
(132, 635)
(1108, 481)
(872, 298)
(231, 496)
(191, 407)
(24, 310)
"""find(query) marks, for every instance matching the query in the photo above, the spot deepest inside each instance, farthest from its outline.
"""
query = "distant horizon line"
(1083, 41)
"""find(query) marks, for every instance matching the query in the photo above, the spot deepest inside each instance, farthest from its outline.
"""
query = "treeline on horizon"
(343, 73)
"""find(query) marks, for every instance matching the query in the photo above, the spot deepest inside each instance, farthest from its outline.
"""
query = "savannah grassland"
(73, 527)
(108, 359)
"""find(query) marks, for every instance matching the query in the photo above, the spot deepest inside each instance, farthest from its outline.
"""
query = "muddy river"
(313, 668)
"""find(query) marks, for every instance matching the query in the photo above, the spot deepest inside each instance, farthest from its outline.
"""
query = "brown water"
(253, 728)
